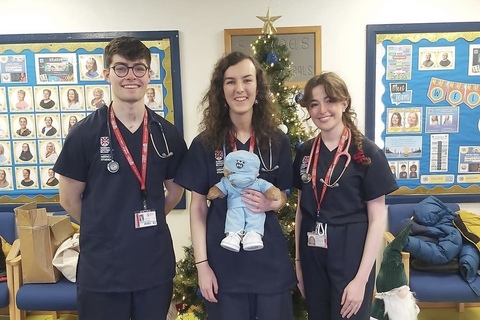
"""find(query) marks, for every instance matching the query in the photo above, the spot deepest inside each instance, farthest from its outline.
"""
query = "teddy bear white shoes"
(250, 241)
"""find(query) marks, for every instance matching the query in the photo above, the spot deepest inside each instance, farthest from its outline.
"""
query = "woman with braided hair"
(342, 178)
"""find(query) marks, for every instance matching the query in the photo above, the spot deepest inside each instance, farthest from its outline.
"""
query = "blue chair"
(7, 231)
(431, 288)
(51, 298)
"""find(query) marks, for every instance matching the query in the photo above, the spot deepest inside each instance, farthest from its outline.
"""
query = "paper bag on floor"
(40, 236)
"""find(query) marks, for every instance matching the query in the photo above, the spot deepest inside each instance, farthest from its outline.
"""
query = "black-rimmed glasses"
(121, 70)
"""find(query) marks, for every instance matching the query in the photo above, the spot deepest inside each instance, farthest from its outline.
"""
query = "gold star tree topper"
(268, 20)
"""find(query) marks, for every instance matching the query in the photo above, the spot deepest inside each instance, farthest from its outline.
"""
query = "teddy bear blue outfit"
(242, 225)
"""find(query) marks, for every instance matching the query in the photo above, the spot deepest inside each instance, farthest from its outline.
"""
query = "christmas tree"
(274, 57)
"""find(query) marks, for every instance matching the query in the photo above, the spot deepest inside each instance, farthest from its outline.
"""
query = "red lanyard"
(233, 144)
(316, 146)
(143, 178)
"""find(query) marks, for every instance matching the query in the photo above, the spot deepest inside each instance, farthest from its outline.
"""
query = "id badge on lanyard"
(145, 218)
(318, 238)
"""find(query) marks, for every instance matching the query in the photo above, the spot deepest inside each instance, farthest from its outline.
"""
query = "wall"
(201, 24)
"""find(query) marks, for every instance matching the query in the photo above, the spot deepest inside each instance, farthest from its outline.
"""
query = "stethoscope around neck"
(341, 151)
(113, 166)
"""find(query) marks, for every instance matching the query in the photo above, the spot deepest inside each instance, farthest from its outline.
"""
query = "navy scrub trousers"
(326, 272)
(233, 306)
(136, 305)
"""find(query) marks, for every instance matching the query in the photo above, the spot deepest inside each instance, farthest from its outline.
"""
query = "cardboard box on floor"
(40, 236)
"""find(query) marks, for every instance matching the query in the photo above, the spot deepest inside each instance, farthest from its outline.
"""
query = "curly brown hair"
(336, 90)
(216, 121)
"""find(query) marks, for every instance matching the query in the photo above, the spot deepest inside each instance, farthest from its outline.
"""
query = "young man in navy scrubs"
(112, 179)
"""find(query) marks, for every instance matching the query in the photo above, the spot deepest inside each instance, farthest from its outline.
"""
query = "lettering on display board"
(303, 45)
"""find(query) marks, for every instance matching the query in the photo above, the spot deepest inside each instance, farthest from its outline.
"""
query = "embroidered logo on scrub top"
(219, 161)
(104, 141)
(105, 154)
(304, 164)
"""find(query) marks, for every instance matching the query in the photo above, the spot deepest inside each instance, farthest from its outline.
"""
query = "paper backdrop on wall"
(423, 98)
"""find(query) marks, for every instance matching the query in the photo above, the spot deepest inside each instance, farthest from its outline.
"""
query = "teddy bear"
(242, 226)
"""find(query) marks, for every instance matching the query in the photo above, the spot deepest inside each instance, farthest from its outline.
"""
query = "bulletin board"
(48, 82)
(423, 107)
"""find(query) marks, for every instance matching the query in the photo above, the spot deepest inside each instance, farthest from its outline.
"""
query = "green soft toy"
(394, 300)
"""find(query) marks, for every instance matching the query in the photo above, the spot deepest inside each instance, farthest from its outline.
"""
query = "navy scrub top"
(264, 271)
(116, 257)
(347, 202)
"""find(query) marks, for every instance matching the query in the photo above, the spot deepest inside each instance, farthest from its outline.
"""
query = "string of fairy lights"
(295, 122)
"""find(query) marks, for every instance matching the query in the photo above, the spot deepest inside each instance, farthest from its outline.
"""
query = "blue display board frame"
(399, 79)
(33, 63)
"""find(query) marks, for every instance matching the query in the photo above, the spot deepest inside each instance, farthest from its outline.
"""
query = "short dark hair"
(128, 47)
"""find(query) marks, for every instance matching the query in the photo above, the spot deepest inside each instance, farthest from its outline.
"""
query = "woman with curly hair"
(238, 115)
(342, 179)
(97, 100)
(73, 99)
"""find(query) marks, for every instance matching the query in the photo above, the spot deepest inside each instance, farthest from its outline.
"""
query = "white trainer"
(231, 242)
(252, 241)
